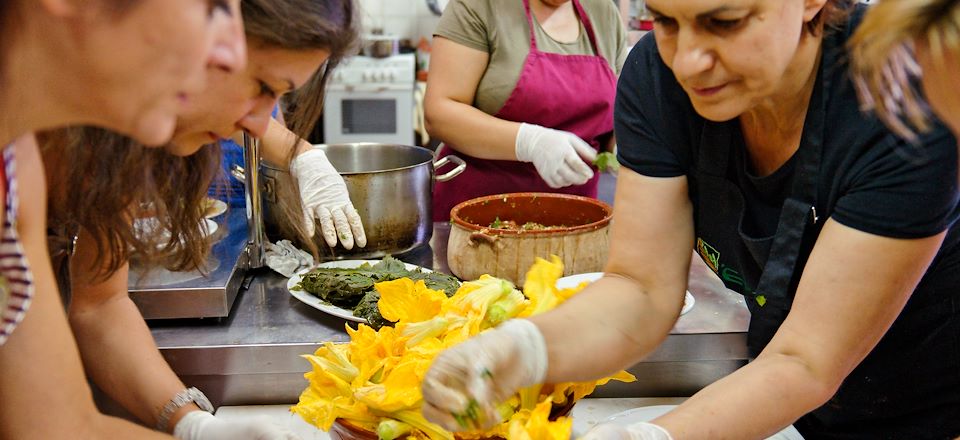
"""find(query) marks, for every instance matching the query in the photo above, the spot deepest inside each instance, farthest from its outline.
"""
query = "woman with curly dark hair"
(100, 182)
(741, 137)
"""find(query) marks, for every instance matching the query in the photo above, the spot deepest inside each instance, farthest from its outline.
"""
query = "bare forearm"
(471, 130)
(606, 328)
(277, 142)
(783, 386)
(113, 428)
(119, 354)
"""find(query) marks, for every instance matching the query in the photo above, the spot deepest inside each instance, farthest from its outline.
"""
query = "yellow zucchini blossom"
(374, 380)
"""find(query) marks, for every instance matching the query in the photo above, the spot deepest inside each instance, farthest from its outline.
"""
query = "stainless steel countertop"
(252, 356)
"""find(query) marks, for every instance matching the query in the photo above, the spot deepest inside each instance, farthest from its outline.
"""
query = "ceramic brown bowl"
(579, 234)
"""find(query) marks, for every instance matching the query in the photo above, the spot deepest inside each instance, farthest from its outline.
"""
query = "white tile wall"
(404, 18)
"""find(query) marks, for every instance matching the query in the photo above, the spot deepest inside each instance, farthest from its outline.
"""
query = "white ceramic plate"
(326, 307)
(216, 207)
(147, 225)
(209, 227)
(575, 280)
(648, 413)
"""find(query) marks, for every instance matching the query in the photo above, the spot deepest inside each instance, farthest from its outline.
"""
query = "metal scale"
(162, 294)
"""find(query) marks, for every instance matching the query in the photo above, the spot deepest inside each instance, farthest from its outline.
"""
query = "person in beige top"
(523, 92)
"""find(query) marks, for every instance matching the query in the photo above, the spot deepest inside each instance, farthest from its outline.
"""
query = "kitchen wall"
(404, 18)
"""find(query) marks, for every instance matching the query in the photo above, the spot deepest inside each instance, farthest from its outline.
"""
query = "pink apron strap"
(533, 38)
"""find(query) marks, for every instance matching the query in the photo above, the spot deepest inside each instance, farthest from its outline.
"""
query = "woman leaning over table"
(293, 44)
(741, 135)
(61, 63)
(523, 92)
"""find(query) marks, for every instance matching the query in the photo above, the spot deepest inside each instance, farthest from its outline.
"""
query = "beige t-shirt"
(499, 27)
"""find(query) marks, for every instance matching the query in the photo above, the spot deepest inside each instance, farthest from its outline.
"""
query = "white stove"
(370, 100)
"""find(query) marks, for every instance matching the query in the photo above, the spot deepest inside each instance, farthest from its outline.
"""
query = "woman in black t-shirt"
(741, 136)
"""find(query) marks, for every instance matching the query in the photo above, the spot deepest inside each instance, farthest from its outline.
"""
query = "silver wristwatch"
(178, 401)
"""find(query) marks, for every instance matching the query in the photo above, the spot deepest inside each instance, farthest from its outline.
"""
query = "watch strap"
(179, 401)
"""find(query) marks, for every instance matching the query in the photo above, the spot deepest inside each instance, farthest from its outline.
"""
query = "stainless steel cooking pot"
(390, 185)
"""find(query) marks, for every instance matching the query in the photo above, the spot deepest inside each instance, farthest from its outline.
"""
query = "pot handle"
(269, 182)
(461, 165)
(478, 238)
(238, 173)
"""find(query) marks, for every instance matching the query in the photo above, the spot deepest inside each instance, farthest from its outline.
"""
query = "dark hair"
(282, 24)
(833, 15)
(303, 25)
(104, 179)
(107, 180)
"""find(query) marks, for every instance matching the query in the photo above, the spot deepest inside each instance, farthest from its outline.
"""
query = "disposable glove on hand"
(560, 157)
(463, 387)
(636, 431)
(201, 425)
(324, 196)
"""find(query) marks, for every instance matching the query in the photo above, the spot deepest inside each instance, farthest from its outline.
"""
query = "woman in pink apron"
(556, 114)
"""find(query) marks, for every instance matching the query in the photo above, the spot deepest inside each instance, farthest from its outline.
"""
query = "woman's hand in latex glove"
(466, 382)
(324, 196)
(636, 431)
(561, 158)
(201, 425)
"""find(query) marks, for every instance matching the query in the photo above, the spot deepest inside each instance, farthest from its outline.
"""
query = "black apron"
(870, 403)
(721, 204)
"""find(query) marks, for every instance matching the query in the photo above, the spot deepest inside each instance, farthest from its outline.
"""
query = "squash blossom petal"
(536, 425)
(476, 296)
(541, 285)
(408, 301)
(374, 380)
(416, 332)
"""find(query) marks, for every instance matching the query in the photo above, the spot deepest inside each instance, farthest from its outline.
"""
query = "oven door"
(381, 114)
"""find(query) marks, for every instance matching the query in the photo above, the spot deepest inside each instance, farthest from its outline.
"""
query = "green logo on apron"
(710, 255)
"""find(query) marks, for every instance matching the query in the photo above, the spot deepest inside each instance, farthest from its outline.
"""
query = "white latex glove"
(475, 376)
(560, 157)
(324, 196)
(201, 425)
(636, 431)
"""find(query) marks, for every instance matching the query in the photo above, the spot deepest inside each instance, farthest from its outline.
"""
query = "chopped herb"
(607, 162)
